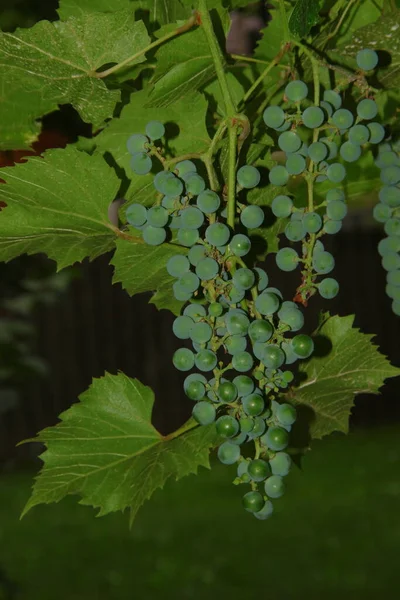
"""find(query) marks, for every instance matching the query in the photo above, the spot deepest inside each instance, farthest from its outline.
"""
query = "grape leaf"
(142, 268)
(57, 205)
(55, 63)
(305, 15)
(272, 40)
(106, 450)
(353, 366)
(359, 15)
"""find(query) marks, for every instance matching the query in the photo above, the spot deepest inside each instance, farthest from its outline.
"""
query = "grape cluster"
(318, 159)
(139, 146)
(387, 212)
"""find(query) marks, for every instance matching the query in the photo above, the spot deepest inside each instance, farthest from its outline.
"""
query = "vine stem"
(315, 70)
(185, 27)
(232, 176)
(340, 22)
(190, 424)
(274, 62)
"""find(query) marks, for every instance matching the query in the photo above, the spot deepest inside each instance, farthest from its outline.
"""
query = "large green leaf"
(106, 450)
(353, 365)
(57, 205)
(142, 268)
(55, 63)
(359, 15)
(272, 39)
(305, 15)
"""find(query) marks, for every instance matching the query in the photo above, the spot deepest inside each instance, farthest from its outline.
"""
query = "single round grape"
(273, 357)
(253, 404)
(192, 218)
(390, 195)
(265, 512)
(295, 164)
(194, 183)
(282, 206)
(262, 279)
(244, 385)
(182, 326)
(393, 291)
(327, 108)
(196, 254)
(228, 453)
(359, 134)
(207, 269)
(195, 390)
(295, 231)
(244, 278)
(331, 227)
(200, 333)
(188, 237)
(183, 359)
(267, 303)
(393, 278)
(160, 180)
(367, 109)
(328, 288)
(336, 172)
(289, 141)
(273, 116)
(175, 223)
(386, 158)
(242, 362)
(235, 344)
(287, 259)
(313, 117)
(154, 236)
(204, 413)
(317, 151)
(258, 469)
(292, 316)
(302, 345)
(392, 227)
(237, 322)
(342, 118)
(252, 217)
(323, 262)
(336, 210)
(137, 143)
(334, 194)
(258, 428)
(141, 163)
(242, 468)
(157, 216)
(333, 98)
(208, 202)
(136, 215)
(248, 177)
(169, 202)
(184, 167)
(206, 360)
(195, 311)
(215, 309)
(312, 222)
(367, 59)
(377, 132)
(396, 307)
(181, 293)
(240, 244)
(227, 392)
(227, 426)
(274, 486)
(286, 414)
(391, 261)
(155, 130)
(296, 91)
(189, 281)
(280, 464)
(236, 294)
(276, 438)
(217, 234)
(382, 212)
(350, 152)
(278, 175)
(389, 244)
(260, 330)
(246, 424)
(390, 175)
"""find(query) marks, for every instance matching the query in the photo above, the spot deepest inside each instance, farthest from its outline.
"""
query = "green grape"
(258, 349)
(160, 180)
(137, 143)
(392, 291)
(367, 109)
(169, 202)
(157, 216)
(175, 223)
(258, 469)
(336, 172)
(289, 141)
(382, 212)
(248, 177)
(194, 183)
(396, 307)
(328, 288)
(332, 147)
(296, 91)
(278, 175)
(377, 132)
(196, 254)
(258, 428)
(302, 345)
(240, 245)
(136, 215)
(367, 59)
(188, 237)
(350, 152)
(182, 327)
(244, 385)
(342, 118)
(253, 404)
(215, 309)
(195, 390)
(390, 175)
(184, 167)
(327, 108)
(183, 359)
(393, 278)
(200, 333)
(208, 202)
(252, 217)
(287, 259)
(195, 311)
(336, 210)
(181, 293)
(274, 486)
(155, 130)
(228, 453)
(333, 98)
(206, 360)
(154, 236)
(392, 227)
(267, 303)
(286, 414)
(359, 134)
(317, 151)
(194, 378)
(262, 279)
(242, 362)
(282, 206)
(244, 278)
(323, 262)
(313, 117)
(288, 376)
(189, 281)
(295, 231)
(204, 413)
(276, 438)
(292, 316)
(331, 227)
(389, 244)
(390, 195)
(265, 512)
(312, 222)
(242, 468)
(273, 116)
(273, 357)
(207, 269)
(217, 234)
(141, 163)
(295, 164)
(235, 344)
(391, 261)
(280, 464)
(260, 331)
(246, 424)
(237, 322)
(235, 295)
(227, 426)
(334, 194)
(227, 392)
(192, 218)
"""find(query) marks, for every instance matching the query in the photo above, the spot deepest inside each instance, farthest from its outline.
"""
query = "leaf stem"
(190, 424)
(232, 176)
(274, 62)
(340, 22)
